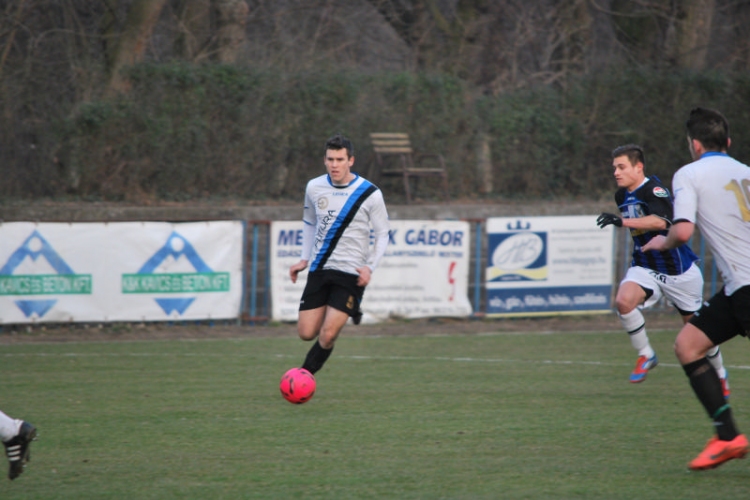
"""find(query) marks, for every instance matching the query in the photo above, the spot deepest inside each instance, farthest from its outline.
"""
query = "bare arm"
(647, 223)
(679, 233)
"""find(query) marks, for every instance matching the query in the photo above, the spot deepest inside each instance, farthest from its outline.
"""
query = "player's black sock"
(316, 357)
(707, 387)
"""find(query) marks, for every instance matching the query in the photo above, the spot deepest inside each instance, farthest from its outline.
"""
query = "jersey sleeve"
(309, 220)
(685, 197)
(308, 236)
(380, 228)
(659, 201)
(308, 212)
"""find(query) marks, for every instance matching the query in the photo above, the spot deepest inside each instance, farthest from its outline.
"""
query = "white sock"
(634, 323)
(717, 361)
(9, 427)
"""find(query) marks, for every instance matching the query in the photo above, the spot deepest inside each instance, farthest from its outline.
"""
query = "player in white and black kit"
(645, 206)
(16, 436)
(342, 210)
(713, 193)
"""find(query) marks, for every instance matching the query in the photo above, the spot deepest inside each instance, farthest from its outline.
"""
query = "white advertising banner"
(548, 265)
(424, 273)
(124, 271)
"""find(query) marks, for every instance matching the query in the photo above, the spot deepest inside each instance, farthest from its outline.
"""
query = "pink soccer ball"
(297, 386)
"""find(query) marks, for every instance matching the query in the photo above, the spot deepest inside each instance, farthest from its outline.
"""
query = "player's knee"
(326, 343)
(327, 337)
(624, 305)
(306, 333)
(687, 352)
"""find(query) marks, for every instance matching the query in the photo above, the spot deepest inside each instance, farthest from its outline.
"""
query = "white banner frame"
(541, 266)
(121, 271)
(424, 273)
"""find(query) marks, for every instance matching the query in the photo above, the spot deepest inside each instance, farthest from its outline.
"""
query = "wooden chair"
(397, 146)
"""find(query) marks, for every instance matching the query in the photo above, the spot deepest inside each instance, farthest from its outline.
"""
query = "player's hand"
(296, 269)
(364, 275)
(606, 219)
(655, 243)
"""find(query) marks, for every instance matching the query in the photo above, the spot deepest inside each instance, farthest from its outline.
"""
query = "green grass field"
(530, 415)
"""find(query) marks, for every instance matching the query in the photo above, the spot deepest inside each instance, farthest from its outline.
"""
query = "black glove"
(606, 219)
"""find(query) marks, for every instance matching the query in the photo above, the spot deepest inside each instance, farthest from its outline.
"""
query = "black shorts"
(332, 288)
(724, 317)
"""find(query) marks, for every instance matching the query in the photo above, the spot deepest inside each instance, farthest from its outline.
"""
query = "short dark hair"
(337, 142)
(709, 127)
(633, 151)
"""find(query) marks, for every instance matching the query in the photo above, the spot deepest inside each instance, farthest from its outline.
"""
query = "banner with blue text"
(424, 273)
(548, 265)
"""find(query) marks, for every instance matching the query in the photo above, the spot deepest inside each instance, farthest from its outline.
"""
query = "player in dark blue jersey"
(650, 197)
(646, 209)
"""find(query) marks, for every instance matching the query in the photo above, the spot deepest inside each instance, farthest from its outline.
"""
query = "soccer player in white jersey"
(342, 210)
(713, 193)
(16, 435)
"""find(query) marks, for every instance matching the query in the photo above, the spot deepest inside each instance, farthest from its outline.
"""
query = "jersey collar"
(713, 153)
(645, 180)
(356, 176)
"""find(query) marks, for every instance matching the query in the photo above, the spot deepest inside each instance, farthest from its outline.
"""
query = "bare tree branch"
(12, 35)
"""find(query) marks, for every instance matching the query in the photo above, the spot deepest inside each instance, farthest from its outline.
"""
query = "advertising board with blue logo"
(129, 271)
(548, 265)
(424, 273)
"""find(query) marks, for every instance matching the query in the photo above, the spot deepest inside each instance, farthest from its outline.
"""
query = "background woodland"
(150, 101)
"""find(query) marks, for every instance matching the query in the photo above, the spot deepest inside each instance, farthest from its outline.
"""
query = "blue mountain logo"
(64, 281)
(153, 277)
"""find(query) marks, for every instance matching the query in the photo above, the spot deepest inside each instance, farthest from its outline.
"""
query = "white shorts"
(684, 290)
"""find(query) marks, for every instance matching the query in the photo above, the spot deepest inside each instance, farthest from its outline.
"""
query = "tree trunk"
(231, 32)
(484, 164)
(139, 24)
(694, 33)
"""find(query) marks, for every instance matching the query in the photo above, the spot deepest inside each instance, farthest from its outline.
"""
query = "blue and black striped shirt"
(652, 198)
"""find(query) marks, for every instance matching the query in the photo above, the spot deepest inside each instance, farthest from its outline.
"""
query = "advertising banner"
(128, 271)
(548, 265)
(424, 273)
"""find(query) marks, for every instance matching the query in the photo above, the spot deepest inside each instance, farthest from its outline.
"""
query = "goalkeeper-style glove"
(606, 219)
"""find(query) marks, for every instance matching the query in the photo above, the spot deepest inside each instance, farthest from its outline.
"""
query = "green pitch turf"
(491, 416)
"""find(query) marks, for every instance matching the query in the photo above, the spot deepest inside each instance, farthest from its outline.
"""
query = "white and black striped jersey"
(338, 223)
(714, 193)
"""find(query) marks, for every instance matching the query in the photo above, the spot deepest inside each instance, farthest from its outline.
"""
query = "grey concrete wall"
(96, 212)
